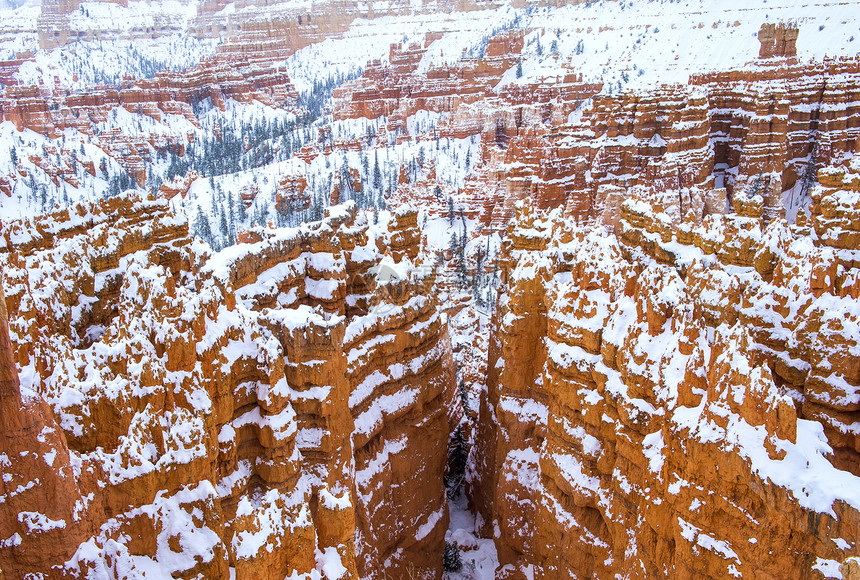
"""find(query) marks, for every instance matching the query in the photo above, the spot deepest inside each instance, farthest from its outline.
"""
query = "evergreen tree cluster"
(458, 455)
(314, 102)
(118, 183)
(482, 284)
(240, 147)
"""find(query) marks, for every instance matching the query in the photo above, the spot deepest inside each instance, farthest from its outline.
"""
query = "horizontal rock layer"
(760, 129)
(262, 409)
(675, 404)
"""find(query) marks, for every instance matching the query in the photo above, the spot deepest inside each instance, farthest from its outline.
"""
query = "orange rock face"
(263, 409)
(672, 380)
(640, 415)
(777, 40)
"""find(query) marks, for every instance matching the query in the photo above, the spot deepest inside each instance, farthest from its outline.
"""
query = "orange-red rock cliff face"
(721, 133)
(675, 405)
(758, 130)
(189, 412)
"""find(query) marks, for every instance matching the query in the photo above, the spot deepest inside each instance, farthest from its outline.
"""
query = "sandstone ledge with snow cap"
(257, 411)
(687, 418)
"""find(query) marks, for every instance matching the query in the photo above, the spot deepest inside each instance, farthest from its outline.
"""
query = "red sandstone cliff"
(242, 409)
(663, 395)
(642, 413)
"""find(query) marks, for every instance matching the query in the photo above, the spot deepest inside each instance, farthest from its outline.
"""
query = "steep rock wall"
(259, 410)
(673, 417)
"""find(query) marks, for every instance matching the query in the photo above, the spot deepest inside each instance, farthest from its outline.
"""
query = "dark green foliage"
(464, 396)
(458, 455)
(451, 560)
(377, 174)
(202, 227)
(119, 183)
(811, 172)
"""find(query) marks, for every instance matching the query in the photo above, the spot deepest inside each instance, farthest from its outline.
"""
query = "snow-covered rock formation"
(265, 409)
(325, 290)
(675, 408)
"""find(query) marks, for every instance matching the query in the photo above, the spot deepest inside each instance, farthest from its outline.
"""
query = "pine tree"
(519, 69)
(243, 214)
(225, 230)
(231, 214)
(811, 171)
(451, 211)
(451, 560)
(464, 396)
(377, 174)
(458, 455)
(462, 272)
(494, 283)
(756, 185)
(215, 204)
(201, 227)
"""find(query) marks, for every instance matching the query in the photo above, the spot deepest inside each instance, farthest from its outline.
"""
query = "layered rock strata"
(758, 131)
(167, 102)
(680, 406)
(259, 411)
(763, 130)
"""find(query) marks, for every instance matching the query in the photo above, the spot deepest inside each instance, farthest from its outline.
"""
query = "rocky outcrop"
(167, 100)
(262, 409)
(760, 131)
(757, 132)
(671, 388)
(777, 40)
(49, 112)
(643, 416)
(250, 26)
(397, 90)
